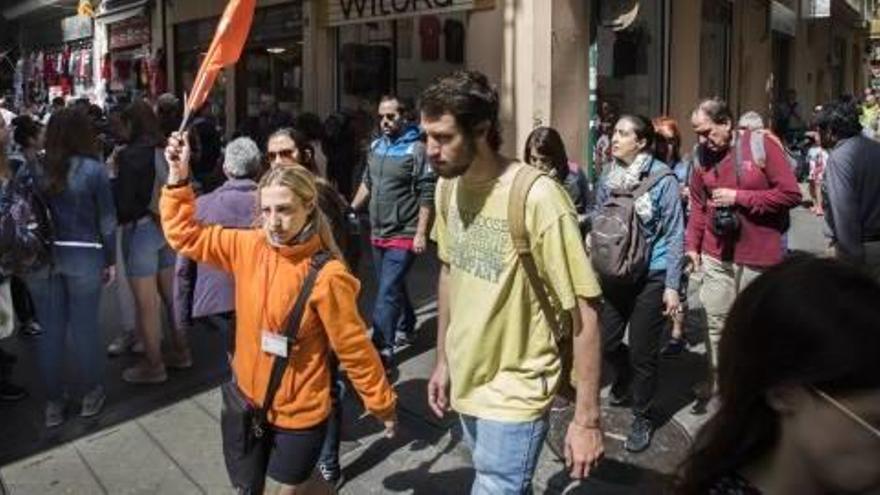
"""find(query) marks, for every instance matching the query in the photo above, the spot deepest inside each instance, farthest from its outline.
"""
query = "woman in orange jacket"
(269, 265)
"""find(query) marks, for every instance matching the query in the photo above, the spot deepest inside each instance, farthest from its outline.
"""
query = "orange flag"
(225, 49)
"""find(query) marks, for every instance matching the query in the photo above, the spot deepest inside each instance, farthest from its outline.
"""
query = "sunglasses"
(848, 412)
(388, 116)
(283, 154)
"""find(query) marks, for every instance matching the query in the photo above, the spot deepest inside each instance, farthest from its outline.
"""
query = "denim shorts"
(144, 249)
(504, 453)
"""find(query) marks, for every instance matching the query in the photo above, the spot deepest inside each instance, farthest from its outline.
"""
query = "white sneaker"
(123, 343)
(93, 402)
(55, 413)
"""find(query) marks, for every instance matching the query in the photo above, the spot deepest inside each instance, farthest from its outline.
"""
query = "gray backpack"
(618, 247)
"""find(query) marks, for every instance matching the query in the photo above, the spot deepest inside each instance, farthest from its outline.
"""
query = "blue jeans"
(504, 453)
(66, 298)
(144, 248)
(393, 310)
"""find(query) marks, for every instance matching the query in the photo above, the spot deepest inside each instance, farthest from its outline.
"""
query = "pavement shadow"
(611, 477)
(22, 429)
(417, 434)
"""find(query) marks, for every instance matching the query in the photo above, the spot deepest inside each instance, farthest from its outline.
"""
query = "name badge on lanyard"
(274, 344)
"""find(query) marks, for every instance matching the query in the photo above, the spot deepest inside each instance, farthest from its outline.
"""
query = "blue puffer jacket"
(400, 181)
(664, 232)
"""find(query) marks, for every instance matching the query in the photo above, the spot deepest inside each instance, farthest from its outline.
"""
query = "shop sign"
(131, 32)
(76, 28)
(340, 12)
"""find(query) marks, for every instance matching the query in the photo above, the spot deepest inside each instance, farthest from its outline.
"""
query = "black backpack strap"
(292, 324)
(650, 181)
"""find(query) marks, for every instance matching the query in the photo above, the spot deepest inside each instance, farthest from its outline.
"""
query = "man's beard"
(710, 157)
(450, 170)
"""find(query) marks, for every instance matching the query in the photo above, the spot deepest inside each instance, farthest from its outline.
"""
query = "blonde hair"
(302, 183)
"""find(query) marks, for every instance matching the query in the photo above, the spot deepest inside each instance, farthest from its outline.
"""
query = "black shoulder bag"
(244, 425)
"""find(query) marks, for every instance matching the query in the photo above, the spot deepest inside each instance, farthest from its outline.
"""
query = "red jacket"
(763, 200)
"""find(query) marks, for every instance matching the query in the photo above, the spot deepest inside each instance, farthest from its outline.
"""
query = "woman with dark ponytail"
(799, 380)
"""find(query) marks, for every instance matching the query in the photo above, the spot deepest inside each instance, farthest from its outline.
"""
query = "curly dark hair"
(840, 118)
(70, 133)
(467, 96)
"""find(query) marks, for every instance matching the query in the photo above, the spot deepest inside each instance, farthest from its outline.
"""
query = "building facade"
(553, 61)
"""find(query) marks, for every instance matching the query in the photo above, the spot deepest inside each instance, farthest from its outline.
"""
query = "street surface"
(166, 438)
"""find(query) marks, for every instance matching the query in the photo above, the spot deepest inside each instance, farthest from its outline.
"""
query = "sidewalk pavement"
(177, 450)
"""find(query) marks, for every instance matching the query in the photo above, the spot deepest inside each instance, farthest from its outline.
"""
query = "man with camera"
(740, 206)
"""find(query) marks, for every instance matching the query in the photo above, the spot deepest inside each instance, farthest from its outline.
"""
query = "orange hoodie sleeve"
(206, 244)
(335, 301)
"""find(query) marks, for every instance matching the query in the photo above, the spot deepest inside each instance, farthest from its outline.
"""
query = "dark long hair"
(143, 124)
(642, 128)
(784, 329)
(70, 133)
(26, 128)
(548, 142)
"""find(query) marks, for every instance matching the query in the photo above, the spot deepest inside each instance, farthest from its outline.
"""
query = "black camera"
(725, 223)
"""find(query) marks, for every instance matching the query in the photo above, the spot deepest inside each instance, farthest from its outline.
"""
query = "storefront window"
(270, 80)
(401, 56)
(630, 38)
(192, 40)
(715, 48)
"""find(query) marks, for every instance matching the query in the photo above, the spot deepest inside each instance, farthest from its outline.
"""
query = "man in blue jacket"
(399, 184)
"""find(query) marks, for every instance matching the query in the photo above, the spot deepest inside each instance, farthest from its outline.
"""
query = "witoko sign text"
(341, 12)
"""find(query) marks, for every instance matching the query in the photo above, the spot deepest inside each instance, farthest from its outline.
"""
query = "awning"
(130, 10)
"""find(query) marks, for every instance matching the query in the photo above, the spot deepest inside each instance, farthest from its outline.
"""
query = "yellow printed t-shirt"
(503, 361)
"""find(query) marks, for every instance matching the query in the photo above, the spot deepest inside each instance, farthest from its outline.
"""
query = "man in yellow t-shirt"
(498, 365)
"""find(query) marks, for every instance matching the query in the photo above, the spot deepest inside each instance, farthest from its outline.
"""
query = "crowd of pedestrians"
(545, 274)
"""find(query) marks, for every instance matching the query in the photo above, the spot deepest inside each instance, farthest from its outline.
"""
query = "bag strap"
(523, 181)
(759, 153)
(292, 324)
(648, 183)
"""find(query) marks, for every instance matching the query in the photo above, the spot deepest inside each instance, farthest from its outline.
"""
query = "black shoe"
(404, 339)
(700, 407)
(387, 358)
(31, 329)
(11, 393)
(620, 396)
(674, 347)
(639, 437)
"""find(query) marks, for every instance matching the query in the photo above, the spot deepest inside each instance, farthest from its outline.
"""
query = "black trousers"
(639, 306)
(21, 301)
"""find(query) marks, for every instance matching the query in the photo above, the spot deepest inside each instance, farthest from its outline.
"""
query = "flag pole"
(186, 113)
